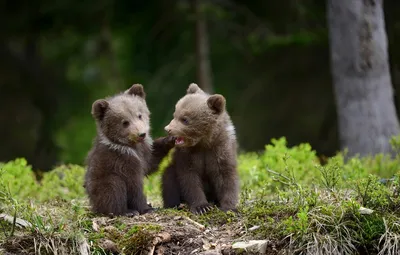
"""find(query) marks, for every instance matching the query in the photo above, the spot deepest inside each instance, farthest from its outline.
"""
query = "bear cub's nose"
(142, 135)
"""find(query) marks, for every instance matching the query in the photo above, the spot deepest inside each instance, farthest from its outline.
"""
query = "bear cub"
(123, 153)
(203, 170)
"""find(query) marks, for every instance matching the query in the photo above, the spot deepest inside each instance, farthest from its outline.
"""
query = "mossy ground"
(287, 198)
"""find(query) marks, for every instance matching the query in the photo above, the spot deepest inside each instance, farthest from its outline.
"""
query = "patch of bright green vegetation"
(287, 195)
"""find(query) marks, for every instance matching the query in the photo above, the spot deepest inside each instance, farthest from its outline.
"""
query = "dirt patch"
(163, 232)
(186, 236)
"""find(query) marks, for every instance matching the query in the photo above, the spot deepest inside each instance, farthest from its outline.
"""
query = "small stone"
(258, 246)
(177, 217)
(364, 210)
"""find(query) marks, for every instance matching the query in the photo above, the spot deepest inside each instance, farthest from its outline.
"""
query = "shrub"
(341, 207)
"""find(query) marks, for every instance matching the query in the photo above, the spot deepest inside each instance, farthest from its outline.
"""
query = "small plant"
(389, 242)
(7, 200)
(331, 175)
(372, 193)
(395, 143)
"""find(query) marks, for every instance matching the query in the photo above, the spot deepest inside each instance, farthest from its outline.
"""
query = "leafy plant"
(287, 196)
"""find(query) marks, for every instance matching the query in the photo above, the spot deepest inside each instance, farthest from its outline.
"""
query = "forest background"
(270, 59)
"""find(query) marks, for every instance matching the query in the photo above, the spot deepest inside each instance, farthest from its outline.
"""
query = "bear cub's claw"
(132, 213)
(170, 141)
(201, 209)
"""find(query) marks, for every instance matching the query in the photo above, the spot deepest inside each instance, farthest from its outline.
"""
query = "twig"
(14, 220)
(202, 227)
(13, 223)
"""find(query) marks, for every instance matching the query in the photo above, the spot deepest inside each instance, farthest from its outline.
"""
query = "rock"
(364, 210)
(259, 246)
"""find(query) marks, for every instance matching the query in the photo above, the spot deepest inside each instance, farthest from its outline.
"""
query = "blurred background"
(270, 59)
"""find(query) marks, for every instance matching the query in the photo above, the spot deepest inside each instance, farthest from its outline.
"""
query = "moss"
(216, 217)
(136, 243)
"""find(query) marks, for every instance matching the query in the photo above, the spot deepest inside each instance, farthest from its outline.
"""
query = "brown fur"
(122, 154)
(204, 168)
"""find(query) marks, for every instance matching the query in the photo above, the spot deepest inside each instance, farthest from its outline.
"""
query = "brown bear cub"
(203, 170)
(123, 154)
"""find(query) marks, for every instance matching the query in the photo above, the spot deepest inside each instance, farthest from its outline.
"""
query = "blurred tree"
(203, 62)
(361, 77)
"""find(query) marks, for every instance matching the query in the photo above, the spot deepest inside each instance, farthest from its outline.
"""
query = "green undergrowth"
(287, 196)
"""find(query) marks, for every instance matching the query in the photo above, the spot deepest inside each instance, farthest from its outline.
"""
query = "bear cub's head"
(123, 119)
(197, 116)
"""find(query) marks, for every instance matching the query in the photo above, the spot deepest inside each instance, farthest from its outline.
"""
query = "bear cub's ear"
(137, 90)
(193, 88)
(99, 108)
(216, 103)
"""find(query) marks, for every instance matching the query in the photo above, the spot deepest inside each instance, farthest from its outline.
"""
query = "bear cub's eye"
(125, 123)
(185, 120)
(140, 116)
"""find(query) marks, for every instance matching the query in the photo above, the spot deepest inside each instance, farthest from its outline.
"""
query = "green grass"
(287, 197)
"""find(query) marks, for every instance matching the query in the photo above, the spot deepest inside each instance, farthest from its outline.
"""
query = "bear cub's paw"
(229, 209)
(170, 141)
(201, 209)
(132, 213)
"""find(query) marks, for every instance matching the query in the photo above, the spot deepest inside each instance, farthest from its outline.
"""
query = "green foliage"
(318, 208)
(64, 182)
(17, 177)
(395, 142)
(331, 175)
(371, 192)
(287, 196)
(294, 165)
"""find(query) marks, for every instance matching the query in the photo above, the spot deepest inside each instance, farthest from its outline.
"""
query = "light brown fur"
(122, 154)
(203, 170)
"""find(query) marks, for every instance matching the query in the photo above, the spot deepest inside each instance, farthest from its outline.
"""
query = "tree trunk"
(203, 65)
(362, 84)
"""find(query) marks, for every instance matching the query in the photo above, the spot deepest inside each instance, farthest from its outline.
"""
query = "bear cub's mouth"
(179, 141)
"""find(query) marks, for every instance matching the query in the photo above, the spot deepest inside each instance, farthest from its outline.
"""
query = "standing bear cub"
(123, 154)
(203, 170)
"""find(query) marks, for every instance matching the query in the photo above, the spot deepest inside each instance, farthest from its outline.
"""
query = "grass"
(287, 197)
